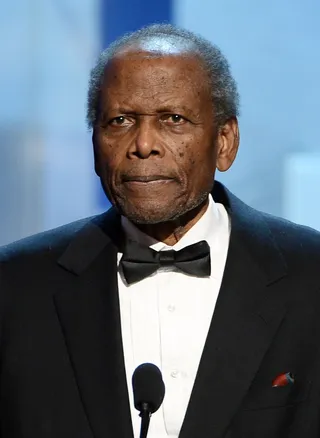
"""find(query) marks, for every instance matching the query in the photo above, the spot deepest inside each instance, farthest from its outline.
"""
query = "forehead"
(151, 76)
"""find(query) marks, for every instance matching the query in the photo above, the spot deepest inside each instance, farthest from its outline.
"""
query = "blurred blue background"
(48, 48)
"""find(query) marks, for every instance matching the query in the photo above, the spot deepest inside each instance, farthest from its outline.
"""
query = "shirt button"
(174, 373)
(171, 308)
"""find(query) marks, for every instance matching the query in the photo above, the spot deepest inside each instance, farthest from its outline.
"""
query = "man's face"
(155, 136)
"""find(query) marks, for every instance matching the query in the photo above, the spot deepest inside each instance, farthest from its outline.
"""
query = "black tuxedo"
(62, 367)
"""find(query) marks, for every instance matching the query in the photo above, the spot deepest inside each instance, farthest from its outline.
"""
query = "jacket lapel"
(247, 315)
(88, 310)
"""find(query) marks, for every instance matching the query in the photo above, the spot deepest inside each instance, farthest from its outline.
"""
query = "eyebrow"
(161, 109)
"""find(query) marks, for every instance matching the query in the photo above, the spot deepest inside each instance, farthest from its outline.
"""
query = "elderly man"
(180, 273)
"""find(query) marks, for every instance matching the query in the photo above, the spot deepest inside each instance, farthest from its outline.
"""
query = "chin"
(151, 211)
(149, 214)
(146, 217)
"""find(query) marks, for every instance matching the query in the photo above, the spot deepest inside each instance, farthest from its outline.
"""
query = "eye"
(120, 121)
(174, 119)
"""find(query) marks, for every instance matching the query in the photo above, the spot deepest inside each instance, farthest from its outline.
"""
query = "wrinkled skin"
(156, 143)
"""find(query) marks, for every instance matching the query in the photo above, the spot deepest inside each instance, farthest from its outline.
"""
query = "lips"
(146, 178)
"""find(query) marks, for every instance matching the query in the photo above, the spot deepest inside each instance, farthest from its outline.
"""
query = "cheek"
(106, 156)
(198, 164)
(194, 156)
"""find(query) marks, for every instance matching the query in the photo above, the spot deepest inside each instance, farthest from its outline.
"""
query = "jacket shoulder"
(299, 246)
(292, 236)
(55, 240)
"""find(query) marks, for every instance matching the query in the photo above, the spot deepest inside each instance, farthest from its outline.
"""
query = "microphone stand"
(145, 415)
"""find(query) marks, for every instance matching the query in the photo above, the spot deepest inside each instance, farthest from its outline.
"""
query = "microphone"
(148, 393)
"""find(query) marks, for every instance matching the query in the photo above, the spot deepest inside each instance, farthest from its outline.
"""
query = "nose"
(146, 142)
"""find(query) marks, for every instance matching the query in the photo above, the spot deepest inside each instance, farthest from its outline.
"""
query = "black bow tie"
(138, 262)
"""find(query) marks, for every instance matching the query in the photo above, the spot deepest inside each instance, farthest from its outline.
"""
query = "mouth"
(145, 179)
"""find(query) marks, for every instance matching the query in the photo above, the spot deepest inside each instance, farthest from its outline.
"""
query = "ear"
(227, 144)
(95, 154)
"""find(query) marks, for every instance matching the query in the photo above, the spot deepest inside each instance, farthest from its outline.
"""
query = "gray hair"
(225, 96)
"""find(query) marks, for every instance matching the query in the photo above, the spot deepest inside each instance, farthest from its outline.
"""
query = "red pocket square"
(283, 380)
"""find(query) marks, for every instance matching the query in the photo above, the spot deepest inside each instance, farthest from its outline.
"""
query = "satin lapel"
(88, 309)
(247, 315)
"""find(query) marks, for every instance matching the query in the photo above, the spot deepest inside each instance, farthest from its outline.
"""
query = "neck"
(171, 232)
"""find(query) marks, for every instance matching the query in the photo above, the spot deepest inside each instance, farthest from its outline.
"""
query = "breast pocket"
(267, 397)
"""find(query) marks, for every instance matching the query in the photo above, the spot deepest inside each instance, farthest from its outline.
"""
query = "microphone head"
(148, 387)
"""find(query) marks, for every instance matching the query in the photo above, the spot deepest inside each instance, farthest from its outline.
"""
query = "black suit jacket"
(62, 369)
